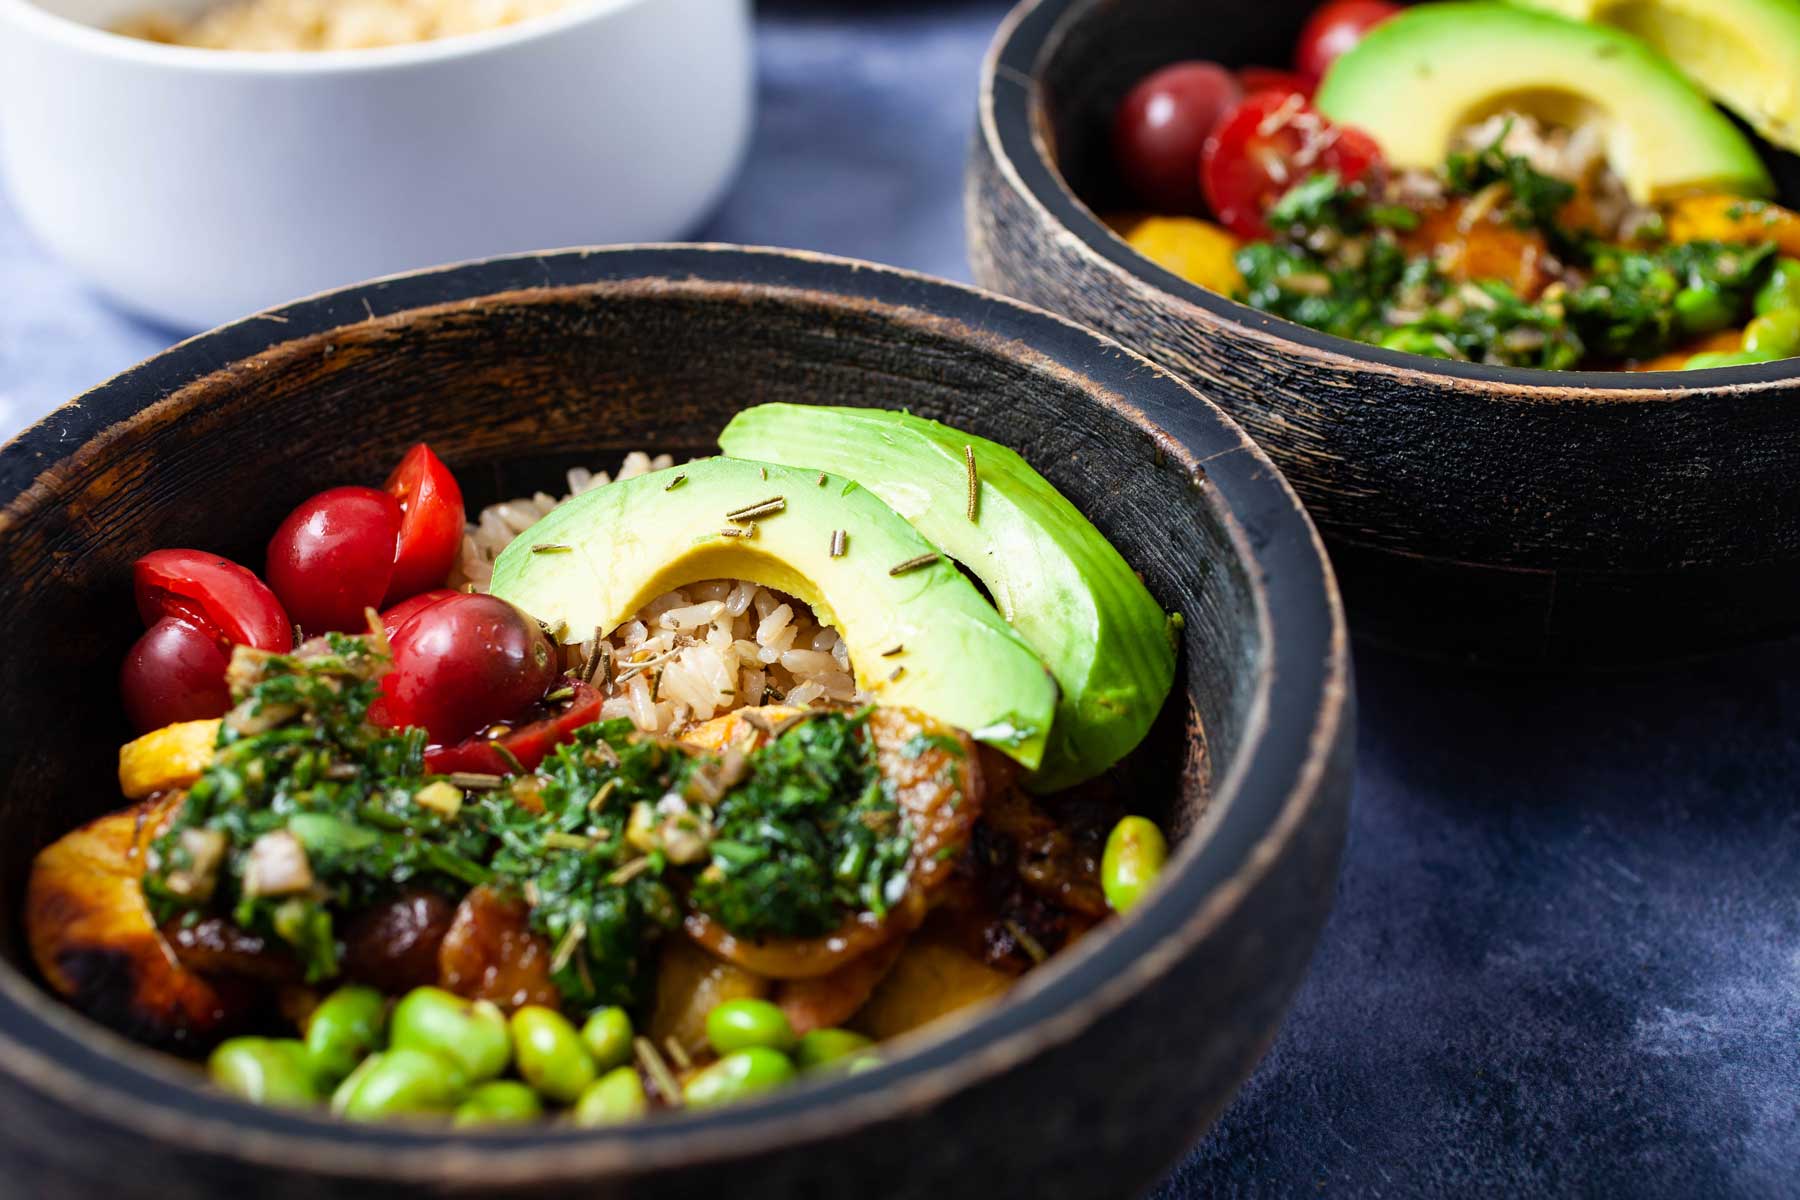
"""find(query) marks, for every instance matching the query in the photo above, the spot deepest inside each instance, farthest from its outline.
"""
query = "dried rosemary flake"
(765, 473)
(913, 564)
(898, 672)
(629, 871)
(738, 531)
(839, 540)
(551, 548)
(974, 481)
(651, 1059)
(821, 479)
(674, 483)
(1026, 942)
(598, 804)
(897, 648)
(474, 781)
(561, 693)
(556, 839)
(509, 758)
(677, 1055)
(565, 949)
(762, 508)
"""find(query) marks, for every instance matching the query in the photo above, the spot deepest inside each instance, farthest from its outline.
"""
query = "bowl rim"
(281, 64)
(1010, 102)
(1298, 729)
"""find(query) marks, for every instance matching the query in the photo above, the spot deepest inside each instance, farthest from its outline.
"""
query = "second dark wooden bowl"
(1088, 1080)
(1516, 518)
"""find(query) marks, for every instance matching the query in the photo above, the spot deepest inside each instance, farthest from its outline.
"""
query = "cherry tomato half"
(1269, 143)
(1160, 128)
(431, 528)
(1274, 79)
(528, 742)
(211, 593)
(1333, 29)
(334, 556)
(395, 618)
(175, 672)
(464, 663)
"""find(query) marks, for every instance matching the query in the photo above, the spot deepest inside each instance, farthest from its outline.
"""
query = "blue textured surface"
(1566, 953)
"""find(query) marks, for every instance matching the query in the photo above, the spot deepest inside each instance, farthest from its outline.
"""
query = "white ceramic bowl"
(194, 186)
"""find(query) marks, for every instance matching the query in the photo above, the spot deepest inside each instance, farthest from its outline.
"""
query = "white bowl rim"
(105, 43)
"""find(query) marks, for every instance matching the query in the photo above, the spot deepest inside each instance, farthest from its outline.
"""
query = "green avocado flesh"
(1433, 70)
(1745, 52)
(924, 638)
(1053, 576)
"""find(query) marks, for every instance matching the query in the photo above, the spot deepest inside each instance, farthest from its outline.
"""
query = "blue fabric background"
(1565, 957)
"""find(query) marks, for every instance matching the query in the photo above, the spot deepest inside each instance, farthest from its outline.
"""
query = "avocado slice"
(1745, 52)
(1419, 77)
(922, 638)
(1051, 573)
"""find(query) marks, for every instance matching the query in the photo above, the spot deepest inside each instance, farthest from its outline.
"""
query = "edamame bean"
(470, 1033)
(341, 1096)
(550, 1054)
(861, 1063)
(745, 1022)
(1701, 310)
(405, 1081)
(1782, 289)
(822, 1046)
(616, 1096)
(270, 1071)
(1774, 335)
(1722, 358)
(738, 1076)
(499, 1102)
(607, 1035)
(1134, 857)
(1414, 341)
(343, 1030)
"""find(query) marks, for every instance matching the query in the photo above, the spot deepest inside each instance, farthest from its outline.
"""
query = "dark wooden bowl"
(1089, 1080)
(1515, 517)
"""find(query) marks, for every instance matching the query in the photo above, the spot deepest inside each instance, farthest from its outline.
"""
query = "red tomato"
(334, 557)
(1333, 29)
(1160, 128)
(396, 617)
(175, 672)
(462, 664)
(526, 745)
(1269, 143)
(431, 529)
(1274, 79)
(213, 594)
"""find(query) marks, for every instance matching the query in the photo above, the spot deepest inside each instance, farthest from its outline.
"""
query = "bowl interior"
(211, 445)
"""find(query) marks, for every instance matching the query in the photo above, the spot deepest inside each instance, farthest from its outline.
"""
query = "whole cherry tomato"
(527, 743)
(1160, 128)
(462, 664)
(175, 672)
(333, 557)
(212, 594)
(1333, 29)
(396, 617)
(1274, 79)
(1269, 143)
(431, 528)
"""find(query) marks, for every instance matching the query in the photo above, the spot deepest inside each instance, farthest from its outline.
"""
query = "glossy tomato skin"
(1274, 79)
(526, 744)
(462, 664)
(395, 618)
(431, 527)
(174, 672)
(333, 557)
(1160, 128)
(1333, 29)
(212, 593)
(1269, 143)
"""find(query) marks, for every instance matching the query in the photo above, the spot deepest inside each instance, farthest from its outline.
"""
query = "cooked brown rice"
(691, 654)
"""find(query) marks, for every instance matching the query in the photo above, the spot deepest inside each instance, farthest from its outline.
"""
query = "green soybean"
(1782, 289)
(822, 1046)
(550, 1054)
(340, 1097)
(1134, 857)
(265, 1071)
(861, 1063)
(499, 1102)
(615, 1097)
(738, 1076)
(1414, 341)
(344, 1029)
(607, 1034)
(747, 1022)
(405, 1081)
(1774, 335)
(1722, 358)
(1702, 310)
(470, 1033)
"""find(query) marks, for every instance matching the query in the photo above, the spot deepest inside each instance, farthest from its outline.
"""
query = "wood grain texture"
(1523, 519)
(1088, 1081)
